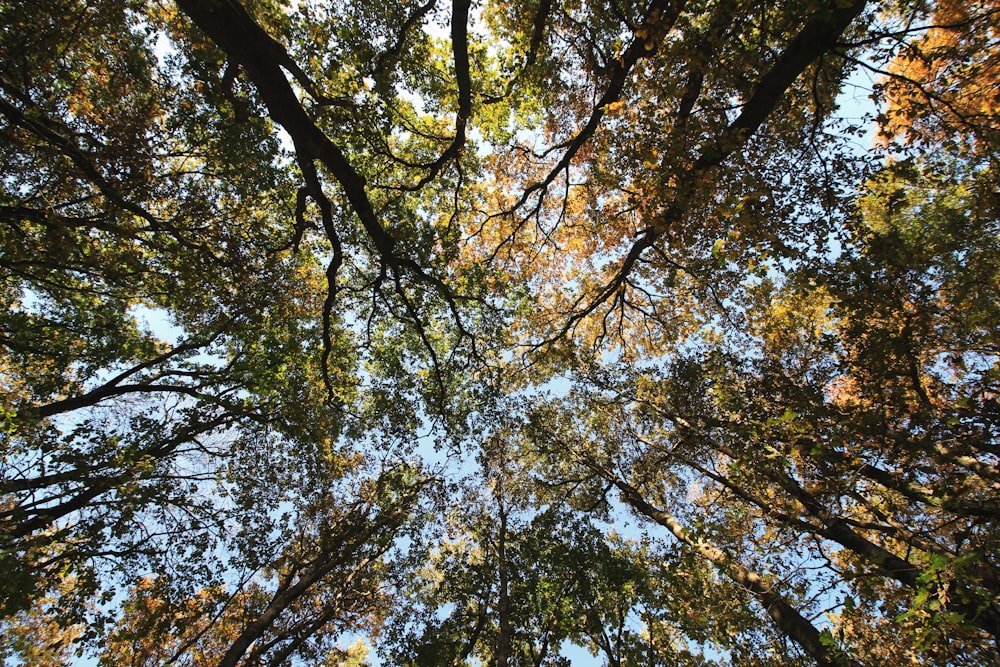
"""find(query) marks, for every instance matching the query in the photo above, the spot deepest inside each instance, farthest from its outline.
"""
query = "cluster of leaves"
(499, 332)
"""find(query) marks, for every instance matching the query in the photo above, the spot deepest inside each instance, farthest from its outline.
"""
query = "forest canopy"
(507, 332)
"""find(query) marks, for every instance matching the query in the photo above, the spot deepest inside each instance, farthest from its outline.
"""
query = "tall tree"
(325, 319)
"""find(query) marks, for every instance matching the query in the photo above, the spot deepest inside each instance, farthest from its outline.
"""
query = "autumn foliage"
(527, 332)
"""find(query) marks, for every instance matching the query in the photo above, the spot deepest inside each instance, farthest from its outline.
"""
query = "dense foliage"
(512, 332)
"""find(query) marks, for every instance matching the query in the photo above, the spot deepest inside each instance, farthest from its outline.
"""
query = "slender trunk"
(343, 550)
(785, 616)
(503, 604)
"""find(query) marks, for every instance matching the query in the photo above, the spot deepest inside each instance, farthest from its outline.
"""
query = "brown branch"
(460, 51)
(817, 37)
(534, 45)
(342, 549)
(113, 387)
(393, 53)
(656, 23)
(46, 131)
(235, 31)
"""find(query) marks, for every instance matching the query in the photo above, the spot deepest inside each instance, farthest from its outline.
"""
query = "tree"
(942, 90)
(522, 583)
(330, 576)
(336, 319)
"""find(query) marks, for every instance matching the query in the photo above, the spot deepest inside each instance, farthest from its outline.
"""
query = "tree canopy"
(500, 332)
